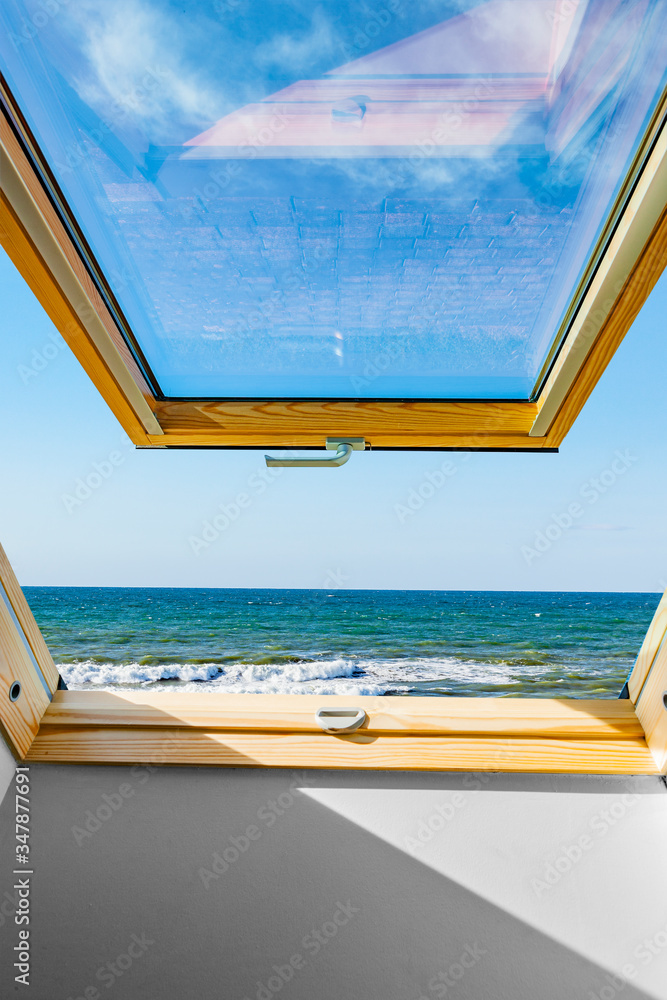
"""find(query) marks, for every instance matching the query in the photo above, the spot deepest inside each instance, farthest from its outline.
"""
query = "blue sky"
(481, 525)
(80, 506)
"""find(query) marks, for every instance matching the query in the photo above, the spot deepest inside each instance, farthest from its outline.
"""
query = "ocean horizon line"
(337, 590)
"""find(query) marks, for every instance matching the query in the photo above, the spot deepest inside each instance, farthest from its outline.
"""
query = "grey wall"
(483, 887)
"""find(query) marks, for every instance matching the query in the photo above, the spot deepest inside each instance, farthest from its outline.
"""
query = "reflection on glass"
(335, 201)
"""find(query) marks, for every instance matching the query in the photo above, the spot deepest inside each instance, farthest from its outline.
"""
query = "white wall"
(436, 872)
(7, 765)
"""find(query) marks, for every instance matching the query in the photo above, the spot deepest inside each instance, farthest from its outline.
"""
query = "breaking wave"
(336, 676)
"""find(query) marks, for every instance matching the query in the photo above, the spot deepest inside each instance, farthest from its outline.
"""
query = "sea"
(364, 642)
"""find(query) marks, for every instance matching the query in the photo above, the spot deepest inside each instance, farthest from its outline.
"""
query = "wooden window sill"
(420, 734)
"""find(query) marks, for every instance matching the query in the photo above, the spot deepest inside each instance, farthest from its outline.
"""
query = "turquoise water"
(578, 645)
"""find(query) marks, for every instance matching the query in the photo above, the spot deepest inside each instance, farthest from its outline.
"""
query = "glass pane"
(340, 200)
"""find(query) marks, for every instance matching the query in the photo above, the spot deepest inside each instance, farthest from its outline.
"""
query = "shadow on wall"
(232, 885)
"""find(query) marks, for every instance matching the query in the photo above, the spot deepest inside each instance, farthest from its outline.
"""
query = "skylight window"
(340, 202)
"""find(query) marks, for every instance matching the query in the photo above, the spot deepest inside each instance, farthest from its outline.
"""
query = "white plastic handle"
(340, 720)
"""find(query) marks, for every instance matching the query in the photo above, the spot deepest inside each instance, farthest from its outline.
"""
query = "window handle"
(342, 446)
(340, 720)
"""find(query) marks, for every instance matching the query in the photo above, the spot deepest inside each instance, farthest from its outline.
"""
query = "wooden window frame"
(628, 736)
(539, 735)
(630, 256)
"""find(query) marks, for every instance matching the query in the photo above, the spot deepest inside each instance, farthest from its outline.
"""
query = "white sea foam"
(336, 676)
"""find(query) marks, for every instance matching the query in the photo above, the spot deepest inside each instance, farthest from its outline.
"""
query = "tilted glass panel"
(344, 200)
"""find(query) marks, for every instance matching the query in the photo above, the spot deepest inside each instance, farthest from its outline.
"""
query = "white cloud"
(137, 65)
(300, 52)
